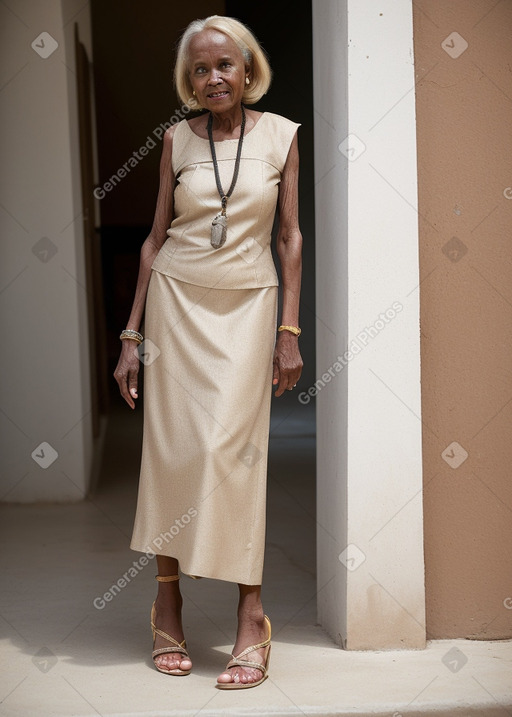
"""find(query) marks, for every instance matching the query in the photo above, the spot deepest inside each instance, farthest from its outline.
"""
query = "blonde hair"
(254, 56)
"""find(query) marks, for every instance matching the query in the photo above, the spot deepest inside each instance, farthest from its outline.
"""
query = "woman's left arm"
(287, 358)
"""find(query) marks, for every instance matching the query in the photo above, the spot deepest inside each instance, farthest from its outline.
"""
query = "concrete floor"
(62, 656)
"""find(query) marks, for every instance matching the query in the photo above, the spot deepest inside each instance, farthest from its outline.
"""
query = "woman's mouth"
(218, 95)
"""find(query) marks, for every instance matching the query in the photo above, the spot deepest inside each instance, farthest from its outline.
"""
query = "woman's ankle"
(170, 598)
(249, 610)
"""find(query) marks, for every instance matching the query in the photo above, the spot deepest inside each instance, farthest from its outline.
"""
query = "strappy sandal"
(248, 663)
(175, 645)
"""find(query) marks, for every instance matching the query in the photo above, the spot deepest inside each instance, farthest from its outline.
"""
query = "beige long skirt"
(207, 393)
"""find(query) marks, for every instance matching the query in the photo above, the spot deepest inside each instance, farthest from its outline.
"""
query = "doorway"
(133, 50)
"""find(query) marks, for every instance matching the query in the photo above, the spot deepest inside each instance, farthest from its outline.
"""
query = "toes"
(230, 676)
(237, 675)
(251, 676)
(225, 677)
(185, 664)
(245, 676)
(167, 662)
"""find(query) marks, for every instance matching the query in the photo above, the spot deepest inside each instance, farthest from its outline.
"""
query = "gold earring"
(194, 92)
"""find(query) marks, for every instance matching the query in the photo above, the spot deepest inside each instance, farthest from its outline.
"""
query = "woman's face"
(217, 71)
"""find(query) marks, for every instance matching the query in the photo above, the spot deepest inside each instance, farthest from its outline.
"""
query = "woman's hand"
(127, 370)
(287, 362)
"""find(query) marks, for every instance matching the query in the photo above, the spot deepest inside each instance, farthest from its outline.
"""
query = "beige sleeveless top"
(245, 260)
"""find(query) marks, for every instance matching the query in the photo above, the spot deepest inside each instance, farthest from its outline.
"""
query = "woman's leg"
(251, 630)
(168, 605)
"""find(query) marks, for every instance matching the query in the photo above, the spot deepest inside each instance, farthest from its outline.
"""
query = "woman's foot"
(167, 618)
(252, 629)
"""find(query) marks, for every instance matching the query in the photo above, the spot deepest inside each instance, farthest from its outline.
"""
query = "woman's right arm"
(127, 368)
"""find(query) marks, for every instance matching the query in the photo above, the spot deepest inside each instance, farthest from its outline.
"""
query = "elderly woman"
(208, 289)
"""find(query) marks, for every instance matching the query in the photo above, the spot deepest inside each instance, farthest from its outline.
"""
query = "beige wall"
(46, 378)
(464, 131)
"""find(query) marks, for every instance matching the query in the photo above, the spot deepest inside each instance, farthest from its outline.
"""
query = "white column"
(370, 531)
(45, 420)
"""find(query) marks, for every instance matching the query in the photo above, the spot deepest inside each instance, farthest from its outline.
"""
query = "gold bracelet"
(131, 334)
(294, 329)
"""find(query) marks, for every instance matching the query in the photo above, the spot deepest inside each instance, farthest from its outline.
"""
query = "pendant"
(219, 231)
